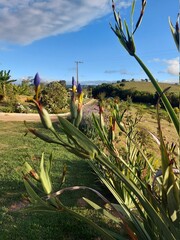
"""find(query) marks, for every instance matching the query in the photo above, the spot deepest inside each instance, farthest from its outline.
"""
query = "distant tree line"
(132, 80)
(116, 90)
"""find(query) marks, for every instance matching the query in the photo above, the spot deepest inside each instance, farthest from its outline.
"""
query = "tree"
(4, 80)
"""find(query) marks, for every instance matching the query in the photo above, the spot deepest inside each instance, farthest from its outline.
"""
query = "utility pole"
(77, 69)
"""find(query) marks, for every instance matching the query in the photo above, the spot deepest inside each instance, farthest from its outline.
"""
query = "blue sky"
(48, 36)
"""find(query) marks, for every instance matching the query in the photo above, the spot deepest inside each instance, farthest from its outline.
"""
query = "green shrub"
(173, 98)
(54, 97)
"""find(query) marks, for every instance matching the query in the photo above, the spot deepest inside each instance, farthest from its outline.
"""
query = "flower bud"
(37, 80)
(79, 89)
(101, 121)
(73, 85)
(73, 109)
(45, 118)
(79, 117)
(37, 86)
(122, 127)
(44, 115)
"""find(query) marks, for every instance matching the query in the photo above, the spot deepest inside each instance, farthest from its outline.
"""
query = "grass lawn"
(15, 148)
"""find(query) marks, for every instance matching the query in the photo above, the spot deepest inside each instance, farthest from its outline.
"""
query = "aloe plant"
(145, 210)
(151, 218)
(138, 218)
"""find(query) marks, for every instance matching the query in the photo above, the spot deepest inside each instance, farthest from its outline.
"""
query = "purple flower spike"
(37, 80)
(79, 88)
(73, 82)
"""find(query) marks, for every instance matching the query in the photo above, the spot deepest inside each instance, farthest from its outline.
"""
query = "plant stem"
(164, 99)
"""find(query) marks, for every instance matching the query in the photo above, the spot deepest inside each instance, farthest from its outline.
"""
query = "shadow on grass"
(16, 224)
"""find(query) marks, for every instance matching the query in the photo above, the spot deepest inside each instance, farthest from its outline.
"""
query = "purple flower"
(37, 80)
(73, 82)
(79, 89)
(73, 85)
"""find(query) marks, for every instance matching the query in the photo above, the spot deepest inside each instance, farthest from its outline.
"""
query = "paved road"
(14, 117)
(18, 117)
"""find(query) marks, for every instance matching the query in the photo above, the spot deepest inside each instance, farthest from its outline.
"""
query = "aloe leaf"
(132, 12)
(42, 136)
(141, 15)
(99, 130)
(155, 138)
(120, 36)
(101, 210)
(82, 139)
(150, 210)
(172, 205)
(49, 163)
(40, 208)
(132, 220)
(174, 33)
(100, 230)
(117, 18)
(46, 183)
(171, 192)
(168, 175)
(34, 197)
(148, 229)
(27, 169)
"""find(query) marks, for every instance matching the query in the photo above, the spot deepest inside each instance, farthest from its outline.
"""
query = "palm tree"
(4, 80)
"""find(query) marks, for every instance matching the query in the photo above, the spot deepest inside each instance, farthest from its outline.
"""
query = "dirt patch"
(18, 206)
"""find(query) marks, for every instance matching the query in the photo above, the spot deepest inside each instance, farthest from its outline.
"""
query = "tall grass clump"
(146, 200)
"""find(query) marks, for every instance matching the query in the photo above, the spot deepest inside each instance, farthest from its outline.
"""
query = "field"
(148, 87)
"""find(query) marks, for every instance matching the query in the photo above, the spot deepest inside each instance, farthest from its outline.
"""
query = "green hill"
(148, 87)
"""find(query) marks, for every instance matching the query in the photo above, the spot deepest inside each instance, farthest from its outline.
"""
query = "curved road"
(17, 117)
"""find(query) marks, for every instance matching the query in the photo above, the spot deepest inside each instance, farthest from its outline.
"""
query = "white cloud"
(173, 66)
(24, 21)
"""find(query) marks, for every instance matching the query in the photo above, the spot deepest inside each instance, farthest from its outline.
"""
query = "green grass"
(148, 87)
(15, 148)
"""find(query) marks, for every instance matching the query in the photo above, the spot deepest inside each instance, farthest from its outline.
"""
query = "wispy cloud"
(112, 71)
(25, 21)
(121, 72)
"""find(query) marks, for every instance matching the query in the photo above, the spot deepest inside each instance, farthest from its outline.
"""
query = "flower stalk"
(76, 107)
(127, 41)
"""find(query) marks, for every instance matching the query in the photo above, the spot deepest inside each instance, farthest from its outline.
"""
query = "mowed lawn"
(15, 149)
